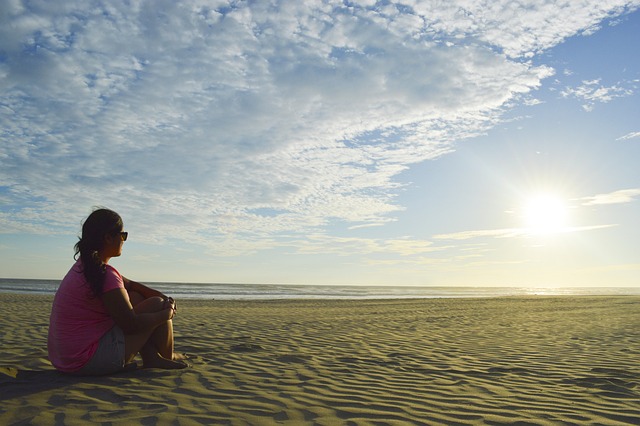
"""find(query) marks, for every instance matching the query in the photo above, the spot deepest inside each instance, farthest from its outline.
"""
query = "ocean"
(276, 291)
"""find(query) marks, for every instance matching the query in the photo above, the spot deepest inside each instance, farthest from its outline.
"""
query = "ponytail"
(99, 223)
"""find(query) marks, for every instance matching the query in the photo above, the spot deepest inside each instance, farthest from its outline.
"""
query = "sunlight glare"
(545, 214)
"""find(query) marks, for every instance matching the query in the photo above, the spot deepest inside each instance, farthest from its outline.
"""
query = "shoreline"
(220, 291)
(535, 359)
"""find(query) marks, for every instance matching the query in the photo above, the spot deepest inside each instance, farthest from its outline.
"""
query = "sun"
(545, 214)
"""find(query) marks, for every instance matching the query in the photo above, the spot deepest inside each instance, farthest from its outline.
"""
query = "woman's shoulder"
(113, 271)
(113, 279)
(77, 266)
(75, 272)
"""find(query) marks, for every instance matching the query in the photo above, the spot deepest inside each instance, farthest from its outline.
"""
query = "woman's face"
(113, 244)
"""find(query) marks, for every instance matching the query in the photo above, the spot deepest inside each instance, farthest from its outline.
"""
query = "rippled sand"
(535, 360)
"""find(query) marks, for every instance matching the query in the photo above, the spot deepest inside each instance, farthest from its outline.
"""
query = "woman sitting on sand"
(101, 320)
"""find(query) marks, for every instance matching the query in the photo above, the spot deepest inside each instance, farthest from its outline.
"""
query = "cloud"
(616, 197)
(239, 125)
(348, 246)
(592, 92)
(519, 29)
(509, 232)
(632, 135)
(491, 233)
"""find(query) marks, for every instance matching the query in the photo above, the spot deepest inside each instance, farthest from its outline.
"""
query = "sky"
(414, 143)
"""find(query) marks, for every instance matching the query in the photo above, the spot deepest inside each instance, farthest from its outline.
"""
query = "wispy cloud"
(240, 125)
(483, 233)
(616, 197)
(511, 232)
(348, 246)
(632, 135)
(592, 92)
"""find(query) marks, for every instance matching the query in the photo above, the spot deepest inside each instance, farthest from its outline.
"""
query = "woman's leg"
(155, 346)
(162, 340)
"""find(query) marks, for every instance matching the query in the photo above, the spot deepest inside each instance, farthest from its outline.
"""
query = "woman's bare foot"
(166, 364)
(180, 357)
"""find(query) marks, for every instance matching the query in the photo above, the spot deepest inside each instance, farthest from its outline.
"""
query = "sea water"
(277, 291)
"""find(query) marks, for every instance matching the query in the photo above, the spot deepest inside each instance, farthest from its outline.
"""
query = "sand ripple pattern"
(503, 361)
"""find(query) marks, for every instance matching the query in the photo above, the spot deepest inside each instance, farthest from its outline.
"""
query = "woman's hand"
(169, 303)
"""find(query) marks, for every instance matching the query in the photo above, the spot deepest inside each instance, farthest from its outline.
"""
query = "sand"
(535, 360)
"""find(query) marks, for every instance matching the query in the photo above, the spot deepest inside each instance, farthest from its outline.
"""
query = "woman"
(101, 320)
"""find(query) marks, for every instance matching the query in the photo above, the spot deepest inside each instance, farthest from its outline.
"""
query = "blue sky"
(370, 143)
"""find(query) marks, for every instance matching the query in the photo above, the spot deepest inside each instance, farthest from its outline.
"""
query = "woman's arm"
(119, 307)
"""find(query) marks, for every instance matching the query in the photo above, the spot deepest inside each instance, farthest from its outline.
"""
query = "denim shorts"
(109, 357)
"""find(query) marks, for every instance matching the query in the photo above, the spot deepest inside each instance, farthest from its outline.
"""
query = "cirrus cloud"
(615, 197)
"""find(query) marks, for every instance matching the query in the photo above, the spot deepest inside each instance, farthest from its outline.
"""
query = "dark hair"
(100, 222)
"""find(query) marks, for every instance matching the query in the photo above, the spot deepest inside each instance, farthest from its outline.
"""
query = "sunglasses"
(124, 235)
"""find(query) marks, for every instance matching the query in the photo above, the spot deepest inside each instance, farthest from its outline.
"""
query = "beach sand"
(534, 360)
